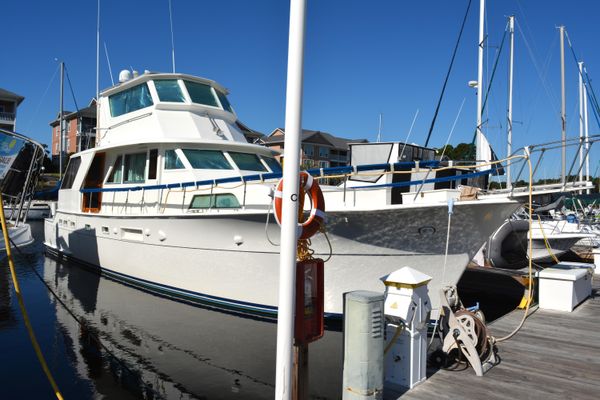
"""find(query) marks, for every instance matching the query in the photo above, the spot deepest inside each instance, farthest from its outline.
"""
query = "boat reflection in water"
(167, 349)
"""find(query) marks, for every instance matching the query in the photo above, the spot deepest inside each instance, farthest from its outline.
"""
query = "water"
(131, 344)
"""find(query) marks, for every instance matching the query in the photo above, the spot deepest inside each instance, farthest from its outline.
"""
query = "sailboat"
(20, 165)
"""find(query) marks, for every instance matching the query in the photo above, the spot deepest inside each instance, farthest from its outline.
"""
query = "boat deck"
(556, 355)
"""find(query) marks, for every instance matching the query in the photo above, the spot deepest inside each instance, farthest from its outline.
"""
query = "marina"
(178, 239)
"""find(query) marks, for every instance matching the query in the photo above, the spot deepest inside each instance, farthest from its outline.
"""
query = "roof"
(312, 136)
(7, 95)
(89, 112)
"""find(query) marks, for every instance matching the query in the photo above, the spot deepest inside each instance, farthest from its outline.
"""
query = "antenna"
(112, 81)
(379, 131)
(172, 40)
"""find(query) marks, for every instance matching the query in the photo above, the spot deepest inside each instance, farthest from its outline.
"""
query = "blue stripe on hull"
(195, 298)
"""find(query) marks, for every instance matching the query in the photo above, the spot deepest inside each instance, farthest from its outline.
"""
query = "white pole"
(511, 22)
(98, 75)
(379, 130)
(291, 167)
(172, 39)
(580, 121)
(585, 127)
(61, 121)
(482, 147)
(563, 112)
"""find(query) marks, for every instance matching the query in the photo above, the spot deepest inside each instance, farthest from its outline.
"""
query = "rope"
(34, 342)
(437, 108)
(530, 265)
(546, 241)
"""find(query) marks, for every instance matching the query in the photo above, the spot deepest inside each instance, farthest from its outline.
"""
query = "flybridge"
(156, 105)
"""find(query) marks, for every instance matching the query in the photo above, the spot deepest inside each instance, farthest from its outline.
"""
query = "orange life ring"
(316, 218)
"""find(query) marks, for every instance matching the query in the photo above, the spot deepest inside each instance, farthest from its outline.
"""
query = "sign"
(10, 147)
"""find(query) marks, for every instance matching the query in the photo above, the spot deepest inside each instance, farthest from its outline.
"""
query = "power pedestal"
(407, 308)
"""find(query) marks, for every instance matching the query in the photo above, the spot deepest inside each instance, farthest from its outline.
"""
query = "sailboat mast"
(587, 141)
(511, 29)
(61, 121)
(482, 148)
(563, 112)
(580, 121)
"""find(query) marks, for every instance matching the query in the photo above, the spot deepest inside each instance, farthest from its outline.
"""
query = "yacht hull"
(231, 260)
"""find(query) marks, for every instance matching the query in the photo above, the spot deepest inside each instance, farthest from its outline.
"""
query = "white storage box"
(596, 253)
(563, 288)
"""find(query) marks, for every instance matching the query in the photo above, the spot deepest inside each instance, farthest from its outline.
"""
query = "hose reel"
(464, 336)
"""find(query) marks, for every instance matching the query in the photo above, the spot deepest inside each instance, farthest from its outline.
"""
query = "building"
(251, 135)
(9, 102)
(79, 131)
(319, 149)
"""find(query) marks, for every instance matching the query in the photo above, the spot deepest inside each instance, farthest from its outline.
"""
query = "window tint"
(221, 200)
(152, 164)
(201, 93)
(135, 168)
(207, 159)
(172, 160)
(71, 172)
(273, 164)
(169, 90)
(132, 99)
(224, 102)
(246, 161)
(116, 173)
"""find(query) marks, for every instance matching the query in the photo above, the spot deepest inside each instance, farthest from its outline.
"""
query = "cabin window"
(172, 160)
(169, 90)
(134, 168)
(129, 100)
(207, 159)
(247, 161)
(152, 163)
(201, 93)
(221, 200)
(273, 164)
(117, 172)
(71, 172)
(224, 101)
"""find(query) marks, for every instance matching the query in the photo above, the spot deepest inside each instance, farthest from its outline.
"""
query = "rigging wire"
(437, 108)
(586, 82)
(489, 88)
(71, 87)
(37, 108)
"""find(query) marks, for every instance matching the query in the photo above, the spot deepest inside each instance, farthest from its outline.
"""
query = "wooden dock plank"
(555, 355)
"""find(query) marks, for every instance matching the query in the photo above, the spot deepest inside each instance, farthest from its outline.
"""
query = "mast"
(580, 63)
(511, 28)
(587, 141)
(98, 74)
(379, 131)
(483, 152)
(563, 112)
(61, 122)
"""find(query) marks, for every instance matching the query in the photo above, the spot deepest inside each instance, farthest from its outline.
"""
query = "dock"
(556, 355)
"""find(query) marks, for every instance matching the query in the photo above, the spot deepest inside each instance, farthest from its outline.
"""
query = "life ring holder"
(316, 218)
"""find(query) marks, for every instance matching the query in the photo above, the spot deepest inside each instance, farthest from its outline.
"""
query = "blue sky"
(362, 58)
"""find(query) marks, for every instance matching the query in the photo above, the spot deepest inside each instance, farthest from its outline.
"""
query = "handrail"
(317, 172)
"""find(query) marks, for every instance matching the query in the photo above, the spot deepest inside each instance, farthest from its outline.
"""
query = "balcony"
(7, 116)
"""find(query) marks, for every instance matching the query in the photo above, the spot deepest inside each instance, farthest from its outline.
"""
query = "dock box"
(563, 289)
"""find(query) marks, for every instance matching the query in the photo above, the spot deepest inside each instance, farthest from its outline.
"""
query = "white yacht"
(174, 200)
